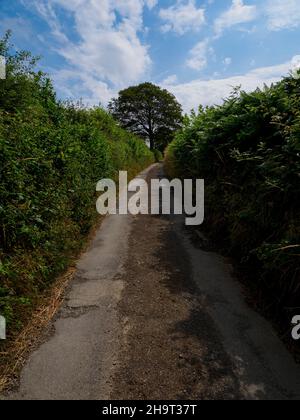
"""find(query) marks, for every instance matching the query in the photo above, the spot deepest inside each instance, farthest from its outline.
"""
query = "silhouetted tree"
(150, 112)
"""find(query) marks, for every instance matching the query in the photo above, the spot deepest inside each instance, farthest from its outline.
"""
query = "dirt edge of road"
(188, 332)
(38, 327)
(168, 341)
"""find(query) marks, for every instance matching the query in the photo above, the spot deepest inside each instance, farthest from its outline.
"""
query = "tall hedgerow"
(51, 156)
(248, 152)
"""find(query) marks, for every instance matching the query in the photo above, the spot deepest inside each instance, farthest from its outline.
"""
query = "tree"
(150, 112)
(23, 87)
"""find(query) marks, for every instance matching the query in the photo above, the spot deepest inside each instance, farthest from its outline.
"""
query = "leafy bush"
(158, 156)
(248, 150)
(51, 156)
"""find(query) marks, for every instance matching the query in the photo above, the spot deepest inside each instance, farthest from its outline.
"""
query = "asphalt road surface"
(151, 315)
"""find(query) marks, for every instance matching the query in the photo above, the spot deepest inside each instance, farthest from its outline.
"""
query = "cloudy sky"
(198, 49)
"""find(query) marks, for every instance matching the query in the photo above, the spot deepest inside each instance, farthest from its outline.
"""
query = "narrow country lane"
(151, 315)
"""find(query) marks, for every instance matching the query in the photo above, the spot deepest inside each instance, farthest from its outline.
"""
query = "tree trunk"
(151, 140)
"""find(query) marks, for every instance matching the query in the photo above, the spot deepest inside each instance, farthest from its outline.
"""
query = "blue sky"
(198, 49)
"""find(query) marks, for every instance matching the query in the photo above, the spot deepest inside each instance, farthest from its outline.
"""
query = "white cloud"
(75, 85)
(237, 14)
(170, 80)
(296, 66)
(210, 92)
(151, 3)
(108, 54)
(227, 61)
(21, 28)
(283, 14)
(182, 17)
(198, 56)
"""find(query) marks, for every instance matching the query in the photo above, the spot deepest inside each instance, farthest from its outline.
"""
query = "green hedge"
(51, 156)
(158, 156)
(248, 152)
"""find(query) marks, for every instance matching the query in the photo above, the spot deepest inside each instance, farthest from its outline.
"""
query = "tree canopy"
(150, 112)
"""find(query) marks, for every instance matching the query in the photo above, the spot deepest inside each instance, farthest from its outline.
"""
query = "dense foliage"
(149, 111)
(51, 156)
(248, 152)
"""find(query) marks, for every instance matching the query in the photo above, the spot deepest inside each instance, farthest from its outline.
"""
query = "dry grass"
(18, 348)
(15, 355)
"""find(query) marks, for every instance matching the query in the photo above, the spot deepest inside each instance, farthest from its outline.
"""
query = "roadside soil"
(170, 349)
